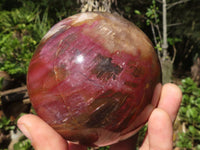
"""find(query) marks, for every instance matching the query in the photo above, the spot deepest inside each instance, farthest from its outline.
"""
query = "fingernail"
(25, 130)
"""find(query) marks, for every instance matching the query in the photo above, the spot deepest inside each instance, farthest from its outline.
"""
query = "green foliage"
(58, 9)
(141, 135)
(1, 82)
(22, 28)
(152, 15)
(189, 115)
(158, 46)
(137, 12)
(6, 124)
(20, 31)
(23, 144)
(104, 148)
(152, 19)
(172, 41)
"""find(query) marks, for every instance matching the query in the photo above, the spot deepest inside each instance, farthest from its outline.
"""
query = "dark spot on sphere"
(105, 69)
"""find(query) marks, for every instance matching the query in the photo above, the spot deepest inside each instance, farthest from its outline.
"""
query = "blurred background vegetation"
(24, 23)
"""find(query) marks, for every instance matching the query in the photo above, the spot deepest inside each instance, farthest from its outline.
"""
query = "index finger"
(170, 99)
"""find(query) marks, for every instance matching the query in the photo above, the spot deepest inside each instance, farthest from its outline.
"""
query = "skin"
(158, 137)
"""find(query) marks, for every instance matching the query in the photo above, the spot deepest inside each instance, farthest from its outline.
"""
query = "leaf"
(1, 125)
(23, 145)
(127, 9)
(137, 12)
(192, 112)
(184, 141)
(172, 41)
(192, 129)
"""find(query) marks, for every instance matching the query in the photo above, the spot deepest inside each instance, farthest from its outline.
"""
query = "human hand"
(160, 124)
(159, 135)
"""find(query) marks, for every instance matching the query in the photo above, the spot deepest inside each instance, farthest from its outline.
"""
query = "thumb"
(42, 136)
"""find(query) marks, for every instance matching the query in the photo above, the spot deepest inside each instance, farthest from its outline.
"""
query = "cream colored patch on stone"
(82, 17)
(117, 35)
(112, 32)
(53, 30)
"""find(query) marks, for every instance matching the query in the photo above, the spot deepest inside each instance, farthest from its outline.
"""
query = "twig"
(26, 101)
(4, 137)
(154, 34)
(159, 32)
(174, 56)
(174, 24)
(24, 88)
(176, 3)
(159, 1)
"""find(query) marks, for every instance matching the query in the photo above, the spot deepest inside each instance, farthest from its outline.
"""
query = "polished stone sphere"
(95, 78)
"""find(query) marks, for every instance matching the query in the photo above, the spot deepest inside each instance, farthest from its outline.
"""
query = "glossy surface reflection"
(95, 78)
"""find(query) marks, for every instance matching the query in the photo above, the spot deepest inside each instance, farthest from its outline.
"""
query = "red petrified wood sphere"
(95, 78)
